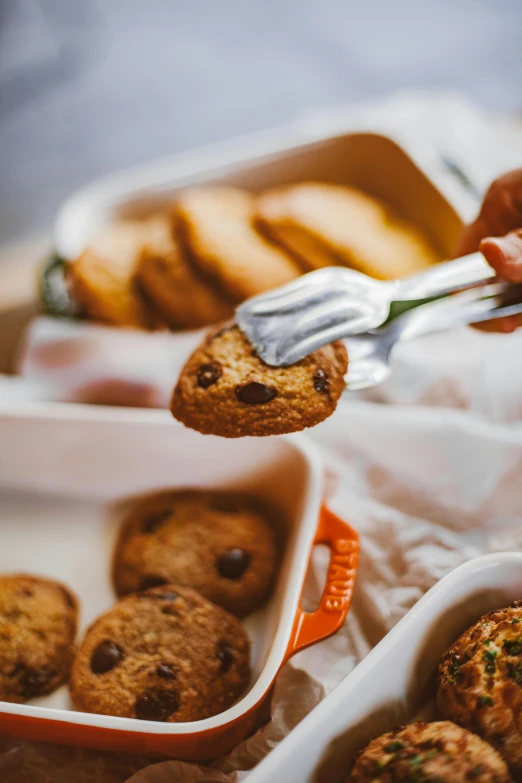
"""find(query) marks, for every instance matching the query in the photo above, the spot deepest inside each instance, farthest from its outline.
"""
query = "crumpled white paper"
(429, 482)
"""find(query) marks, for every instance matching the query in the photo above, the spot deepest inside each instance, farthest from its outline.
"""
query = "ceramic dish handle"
(343, 541)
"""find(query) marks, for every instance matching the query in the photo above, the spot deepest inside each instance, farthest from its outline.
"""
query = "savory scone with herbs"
(184, 298)
(480, 681)
(226, 389)
(216, 225)
(430, 752)
(323, 224)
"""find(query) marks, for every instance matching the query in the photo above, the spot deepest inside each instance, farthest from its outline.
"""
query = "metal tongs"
(291, 322)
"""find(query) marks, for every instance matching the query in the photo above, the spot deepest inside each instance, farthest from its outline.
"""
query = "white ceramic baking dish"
(61, 467)
(395, 683)
(371, 161)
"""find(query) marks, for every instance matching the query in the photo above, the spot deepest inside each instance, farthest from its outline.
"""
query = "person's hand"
(497, 233)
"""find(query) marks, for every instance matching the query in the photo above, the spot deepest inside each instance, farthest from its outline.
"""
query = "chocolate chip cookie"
(323, 224)
(226, 389)
(165, 272)
(217, 543)
(38, 621)
(102, 279)
(216, 225)
(165, 654)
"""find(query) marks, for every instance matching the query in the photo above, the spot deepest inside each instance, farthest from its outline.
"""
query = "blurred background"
(90, 86)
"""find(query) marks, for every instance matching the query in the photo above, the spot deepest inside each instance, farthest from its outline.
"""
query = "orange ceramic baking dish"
(66, 465)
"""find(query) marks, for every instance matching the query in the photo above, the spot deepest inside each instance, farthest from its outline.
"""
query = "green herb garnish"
(513, 647)
(490, 657)
(515, 672)
(393, 747)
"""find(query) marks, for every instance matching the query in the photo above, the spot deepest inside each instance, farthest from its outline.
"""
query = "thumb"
(504, 254)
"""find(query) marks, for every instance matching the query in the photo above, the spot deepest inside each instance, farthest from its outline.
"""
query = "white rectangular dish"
(370, 161)
(61, 468)
(395, 683)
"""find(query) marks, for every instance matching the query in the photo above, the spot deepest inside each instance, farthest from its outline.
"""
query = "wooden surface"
(18, 294)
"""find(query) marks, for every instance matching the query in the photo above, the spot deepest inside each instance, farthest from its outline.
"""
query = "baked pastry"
(216, 224)
(331, 225)
(166, 654)
(430, 752)
(480, 681)
(102, 279)
(181, 295)
(226, 389)
(214, 542)
(38, 621)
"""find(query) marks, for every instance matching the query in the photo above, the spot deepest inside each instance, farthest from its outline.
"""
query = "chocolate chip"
(169, 610)
(209, 374)
(156, 705)
(225, 655)
(105, 657)
(233, 563)
(69, 600)
(152, 522)
(34, 681)
(26, 592)
(165, 671)
(255, 393)
(321, 382)
(152, 580)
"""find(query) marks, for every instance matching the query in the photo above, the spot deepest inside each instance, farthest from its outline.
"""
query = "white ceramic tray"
(370, 161)
(395, 683)
(61, 468)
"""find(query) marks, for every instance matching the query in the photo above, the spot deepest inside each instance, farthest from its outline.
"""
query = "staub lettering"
(341, 575)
